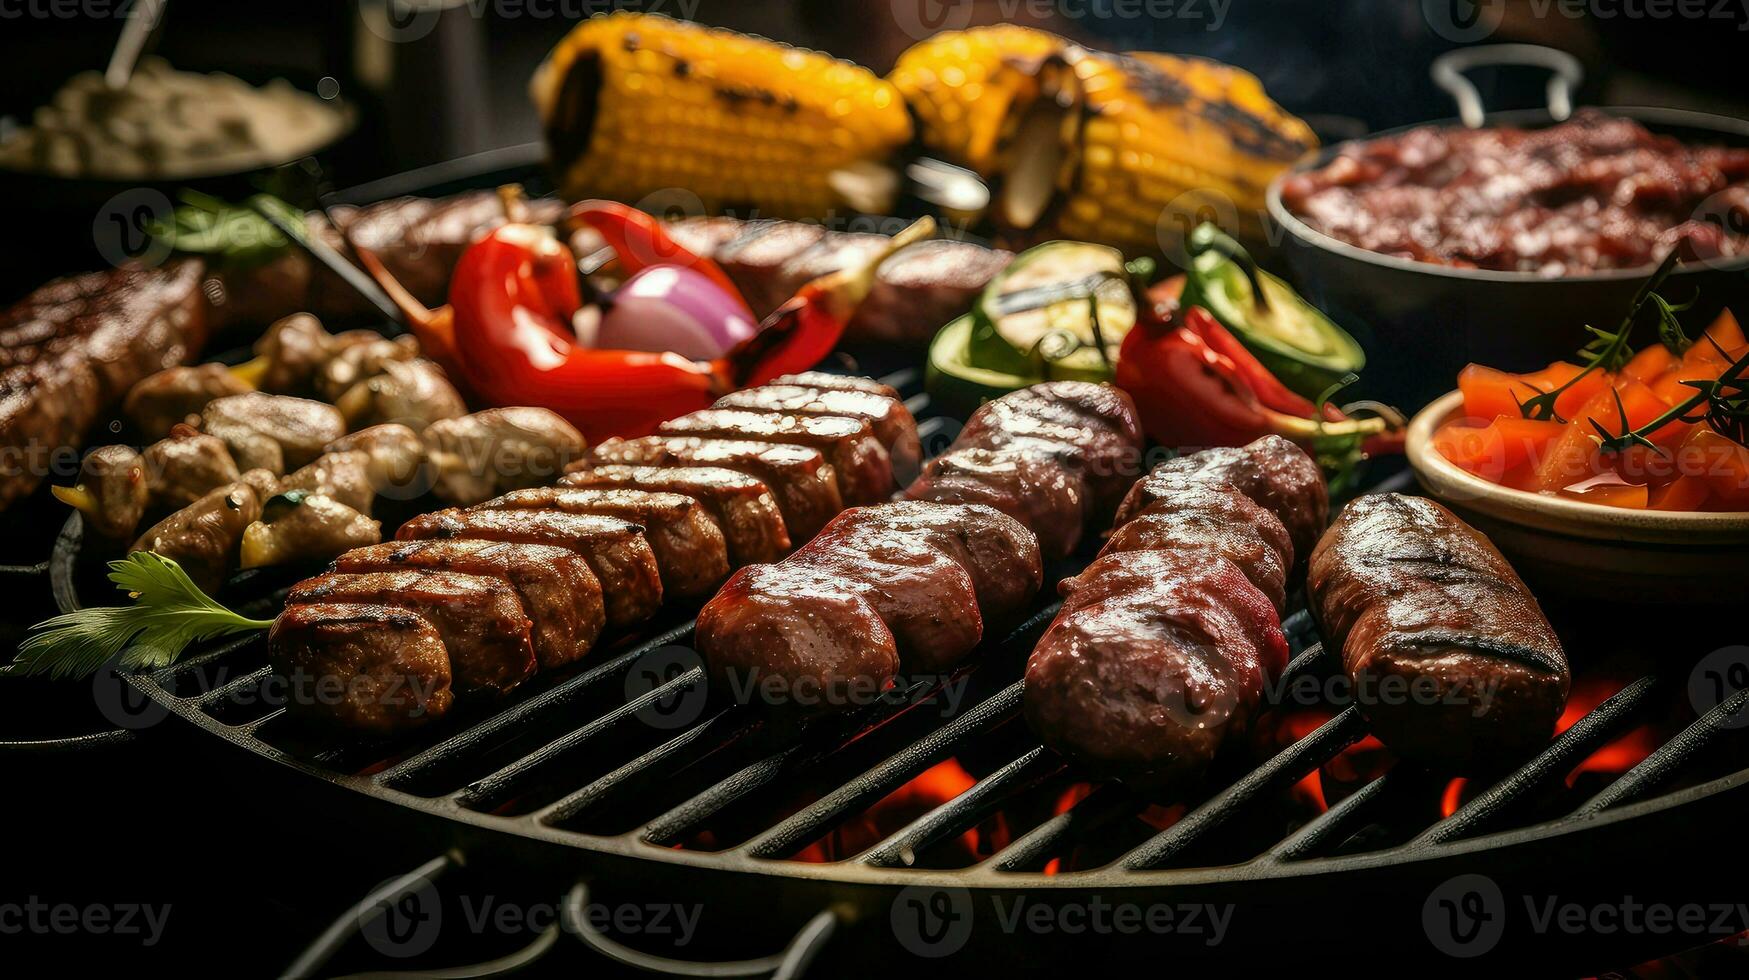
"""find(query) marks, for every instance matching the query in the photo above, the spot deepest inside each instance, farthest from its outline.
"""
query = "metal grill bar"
(958, 815)
(1111, 801)
(501, 785)
(1285, 767)
(877, 782)
(224, 692)
(650, 765)
(405, 772)
(1586, 736)
(1669, 757)
(1331, 827)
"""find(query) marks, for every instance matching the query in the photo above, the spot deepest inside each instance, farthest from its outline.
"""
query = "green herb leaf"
(169, 613)
(238, 236)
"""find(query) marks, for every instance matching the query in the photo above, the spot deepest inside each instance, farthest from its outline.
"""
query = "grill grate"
(575, 755)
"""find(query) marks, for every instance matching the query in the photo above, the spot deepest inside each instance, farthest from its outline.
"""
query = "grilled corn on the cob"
(1146, 145)
(635, 104)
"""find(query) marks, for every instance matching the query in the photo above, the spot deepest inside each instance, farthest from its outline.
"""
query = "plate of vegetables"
(1624, 468)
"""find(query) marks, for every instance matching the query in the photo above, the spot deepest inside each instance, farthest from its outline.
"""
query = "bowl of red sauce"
(1664, 521)
(1439, 246)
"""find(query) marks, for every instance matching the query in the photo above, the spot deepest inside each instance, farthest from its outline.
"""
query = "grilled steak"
(374, 669)
(742, 506)
(618, 554)
(802, 482)
(689, 547)
(74, 347)
(864, 471)
(557, 589)
(1407, 591)
(481, 619)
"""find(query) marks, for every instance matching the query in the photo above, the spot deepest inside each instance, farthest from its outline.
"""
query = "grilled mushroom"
(186, 466)
(414, 392)
(297, 427)
(177, 395)
(111, 493)
(298, 525)
(477, 457)
(203, 536)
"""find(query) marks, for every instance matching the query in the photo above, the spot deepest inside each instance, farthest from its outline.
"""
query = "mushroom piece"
(397, 458)
(111, 492)
(360, 362)
(203, 537)
(414, 392)
(344, 476)
(477, 457)
(299, 427)
(301, 526)
(289, 354)
(173, 396)
(186, 466)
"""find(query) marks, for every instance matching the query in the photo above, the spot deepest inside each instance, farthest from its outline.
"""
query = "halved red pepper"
(506, 333)
(1196, 385)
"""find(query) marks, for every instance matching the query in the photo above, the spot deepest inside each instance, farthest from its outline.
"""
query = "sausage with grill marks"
(481, 619)
(865, 472)
(359, 667)
(689, 547)
(743, 506)
(1272, 471)
(899, 585)
(557, 589)
(1212, 518)
(890, 420)
(800, 480)
(616, 551)
(1409, 593)
(1155, 664)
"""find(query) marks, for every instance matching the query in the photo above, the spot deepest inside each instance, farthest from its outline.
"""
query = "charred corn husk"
(635, 105)
(1127, 150)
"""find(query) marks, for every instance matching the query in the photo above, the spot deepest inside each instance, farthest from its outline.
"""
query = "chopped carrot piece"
(1570, 458)
(1491, 450)
(1649, 364)
(1683, 493)
(1641, 406)
(1721, 462)
(1726, 331)
(1490, 393)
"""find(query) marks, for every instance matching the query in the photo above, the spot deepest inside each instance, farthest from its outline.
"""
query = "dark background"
(254, 868)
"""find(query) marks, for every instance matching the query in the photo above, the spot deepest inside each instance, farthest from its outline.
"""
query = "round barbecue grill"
(627, 774)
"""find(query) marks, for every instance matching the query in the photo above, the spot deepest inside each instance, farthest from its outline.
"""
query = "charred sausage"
(1410, 594)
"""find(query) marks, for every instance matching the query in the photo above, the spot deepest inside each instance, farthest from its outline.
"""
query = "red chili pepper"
(641, 241)
(1195, 385)
(506, 334)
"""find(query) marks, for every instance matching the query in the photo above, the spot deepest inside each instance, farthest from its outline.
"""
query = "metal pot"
(1420, 323)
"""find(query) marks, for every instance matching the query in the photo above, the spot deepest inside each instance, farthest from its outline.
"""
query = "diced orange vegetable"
(1683, 493)
(1490, 393)
(1640, 405)
(1726, 331)
(1493, 450)
(1721, 462)
(1571, 458)
(1649, 364)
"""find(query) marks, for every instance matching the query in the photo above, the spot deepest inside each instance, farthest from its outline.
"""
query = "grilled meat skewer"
(742, 506)
(803, 484)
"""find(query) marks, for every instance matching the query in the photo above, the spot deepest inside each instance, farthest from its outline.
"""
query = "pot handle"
(786, 964)
(1448, 71)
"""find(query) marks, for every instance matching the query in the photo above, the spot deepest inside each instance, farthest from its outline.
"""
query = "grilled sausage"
(900, 585)
(864, 471)
(1215, 519)
(1054, 456)
(618, 554)
(890, 420)
(359, 667)
(742, 506)
(1407, 591)
(1272, 471)
(801, 481)
(689, 547)
(480, 619)
(1093, 427)
(557, 589)
(1155, 664)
